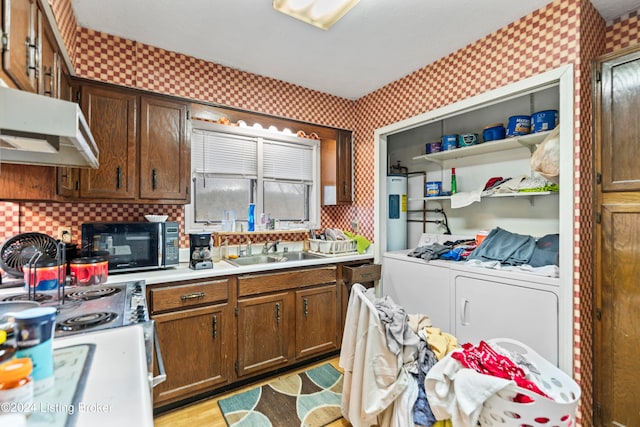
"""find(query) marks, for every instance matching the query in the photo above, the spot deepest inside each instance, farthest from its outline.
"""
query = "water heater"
(396, 212)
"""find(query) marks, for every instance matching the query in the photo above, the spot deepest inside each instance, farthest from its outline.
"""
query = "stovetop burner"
(91, 308)
(85, 321)
(90, 294)
(41, 298)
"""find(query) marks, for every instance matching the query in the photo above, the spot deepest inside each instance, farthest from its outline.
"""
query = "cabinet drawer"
(172, 297)
(252, 284)
(361, 273)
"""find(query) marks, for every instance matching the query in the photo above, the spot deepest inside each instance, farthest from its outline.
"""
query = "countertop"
(116, 391)
(224, 268)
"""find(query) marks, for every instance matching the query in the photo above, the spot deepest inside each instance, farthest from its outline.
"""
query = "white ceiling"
(377, 42)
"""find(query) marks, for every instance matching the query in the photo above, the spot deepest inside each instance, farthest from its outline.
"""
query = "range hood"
(39, 130)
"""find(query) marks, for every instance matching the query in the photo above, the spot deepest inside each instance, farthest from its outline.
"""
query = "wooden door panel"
(194, 350)
(316, 321)
(19, 58)
(617, 368)
(112, 118)
(263, 343)
(344, 168)
(620, 127)
(163, 150)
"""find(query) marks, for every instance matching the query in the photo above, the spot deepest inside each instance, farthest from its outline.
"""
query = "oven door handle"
(162, 376)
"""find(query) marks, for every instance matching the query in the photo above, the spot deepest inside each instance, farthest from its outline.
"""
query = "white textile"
(373, 375)
(457, 393)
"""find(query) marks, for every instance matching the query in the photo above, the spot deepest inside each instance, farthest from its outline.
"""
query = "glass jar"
(16, 385)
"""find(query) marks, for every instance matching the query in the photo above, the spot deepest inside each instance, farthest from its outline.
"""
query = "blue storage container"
(433, 188)
(544, 120)
(449, 142)
(493, 132)
(519, 125)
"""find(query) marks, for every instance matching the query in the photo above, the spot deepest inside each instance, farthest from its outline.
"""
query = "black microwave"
(132, 246)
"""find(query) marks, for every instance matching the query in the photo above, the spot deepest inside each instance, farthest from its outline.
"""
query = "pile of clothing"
(386, 356)
(459, 385)
(500, 249)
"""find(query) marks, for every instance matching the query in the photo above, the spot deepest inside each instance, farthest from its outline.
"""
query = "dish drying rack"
(332, 247)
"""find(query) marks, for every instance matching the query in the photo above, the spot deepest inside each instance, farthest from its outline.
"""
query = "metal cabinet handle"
(464, 320)
(277, 312)
(214, 326)
(305, 303)
(192, 296)
(154, 179)
(49, 74)
(32, 47)
(118, 177)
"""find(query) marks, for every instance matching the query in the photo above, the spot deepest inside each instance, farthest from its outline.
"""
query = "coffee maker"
(200, 251)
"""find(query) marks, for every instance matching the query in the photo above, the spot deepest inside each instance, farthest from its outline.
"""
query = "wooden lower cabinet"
(193, 345)
(194, 323)
(255, 323)
(265, 323)
(316, 316)
(285, 317)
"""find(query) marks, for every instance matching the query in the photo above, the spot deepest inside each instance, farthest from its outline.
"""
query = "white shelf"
(529, 141)
(520, 194)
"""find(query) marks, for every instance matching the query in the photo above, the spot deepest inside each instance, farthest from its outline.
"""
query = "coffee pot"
(200, 251)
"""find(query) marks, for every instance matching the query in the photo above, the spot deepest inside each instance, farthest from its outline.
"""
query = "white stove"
(91, 308)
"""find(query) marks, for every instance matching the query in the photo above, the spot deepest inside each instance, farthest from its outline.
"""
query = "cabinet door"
(420, 288)
(20, 54)
(263, 338)
(164, 150)
(487, 309)
(194, 351)
(316, 321)
(49, 67)
(344, 168)
(111, 115)
(617, 369)
(620, 128)
(336, 169)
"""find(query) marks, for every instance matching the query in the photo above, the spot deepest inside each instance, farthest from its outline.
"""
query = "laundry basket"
(501, 411)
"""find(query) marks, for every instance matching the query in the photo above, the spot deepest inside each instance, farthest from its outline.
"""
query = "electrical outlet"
(64, 234)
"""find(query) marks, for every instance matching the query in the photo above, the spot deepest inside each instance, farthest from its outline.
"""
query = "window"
(280, 174)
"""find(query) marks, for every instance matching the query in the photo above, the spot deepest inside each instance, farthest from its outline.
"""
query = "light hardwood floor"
(207, 413)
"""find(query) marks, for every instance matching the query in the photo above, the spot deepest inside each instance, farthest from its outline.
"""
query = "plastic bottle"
(454, 184)
(251, 218)
(16, 385)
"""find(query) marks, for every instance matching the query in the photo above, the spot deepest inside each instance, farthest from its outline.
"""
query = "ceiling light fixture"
(320, 13)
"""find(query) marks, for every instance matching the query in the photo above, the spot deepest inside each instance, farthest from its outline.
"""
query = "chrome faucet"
(268, 245)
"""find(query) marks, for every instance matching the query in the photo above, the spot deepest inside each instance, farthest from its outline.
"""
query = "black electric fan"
(18, 250)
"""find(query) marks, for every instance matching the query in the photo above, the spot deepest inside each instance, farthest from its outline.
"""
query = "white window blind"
(217, 153)
(287, 161)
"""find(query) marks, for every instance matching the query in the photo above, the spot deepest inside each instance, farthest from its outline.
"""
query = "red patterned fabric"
(486, 360)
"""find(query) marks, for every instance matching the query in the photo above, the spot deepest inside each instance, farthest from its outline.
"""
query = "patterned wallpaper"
(563, 32)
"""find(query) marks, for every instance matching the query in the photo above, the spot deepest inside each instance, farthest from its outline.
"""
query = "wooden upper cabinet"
(337, 169)
(111, 115)
(49, 75)
(344, 168)
(620, 127)
(164, 149)
(20, 56)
